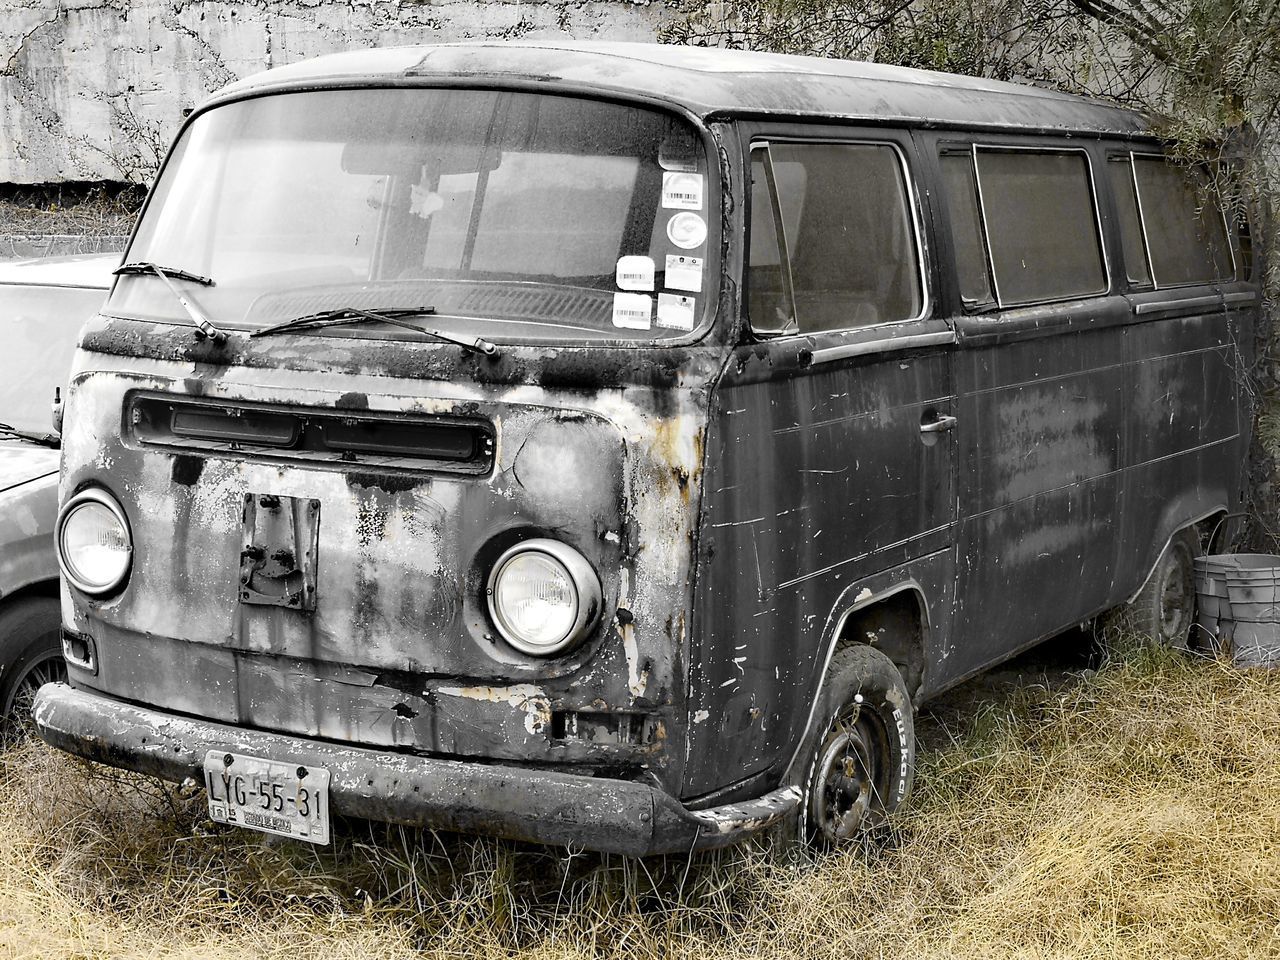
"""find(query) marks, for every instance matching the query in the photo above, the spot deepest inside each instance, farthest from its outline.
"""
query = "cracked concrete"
(96, 89)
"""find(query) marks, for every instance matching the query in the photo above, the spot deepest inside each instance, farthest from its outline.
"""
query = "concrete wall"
(95, 89)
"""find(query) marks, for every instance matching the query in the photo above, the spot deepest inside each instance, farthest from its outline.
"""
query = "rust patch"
(186, 470)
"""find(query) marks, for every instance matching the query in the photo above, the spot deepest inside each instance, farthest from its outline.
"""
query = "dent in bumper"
(616, 816)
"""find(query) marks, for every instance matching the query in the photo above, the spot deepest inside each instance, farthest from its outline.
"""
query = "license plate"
(286, 799)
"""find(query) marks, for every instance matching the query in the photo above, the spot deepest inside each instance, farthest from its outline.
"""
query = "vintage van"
(611, 445)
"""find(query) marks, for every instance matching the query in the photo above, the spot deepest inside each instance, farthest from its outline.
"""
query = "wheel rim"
(49, 668)
(847, 781)
(1176, 591)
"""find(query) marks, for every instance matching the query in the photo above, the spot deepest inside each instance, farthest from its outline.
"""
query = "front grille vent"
(334, 438)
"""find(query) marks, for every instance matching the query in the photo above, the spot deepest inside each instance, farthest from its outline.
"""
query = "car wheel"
(30, 653)
(859, 759)
(1166, 606)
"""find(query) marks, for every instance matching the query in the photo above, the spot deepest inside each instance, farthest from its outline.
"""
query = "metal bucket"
(1238, 606)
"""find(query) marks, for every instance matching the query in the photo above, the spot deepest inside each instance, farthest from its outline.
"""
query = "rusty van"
(611, 445)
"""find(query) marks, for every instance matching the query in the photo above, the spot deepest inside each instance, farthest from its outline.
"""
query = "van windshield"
(514, 216)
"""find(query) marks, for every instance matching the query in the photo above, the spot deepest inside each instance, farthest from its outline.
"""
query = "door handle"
(942, 424)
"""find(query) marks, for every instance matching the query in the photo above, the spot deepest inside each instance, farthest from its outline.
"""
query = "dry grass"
(1133, 812)
(53, 219)
(86, 210)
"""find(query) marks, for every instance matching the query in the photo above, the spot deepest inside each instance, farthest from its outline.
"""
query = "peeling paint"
(527, 697)
(637, 679)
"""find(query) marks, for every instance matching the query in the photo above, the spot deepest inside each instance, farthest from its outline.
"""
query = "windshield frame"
(718, 223)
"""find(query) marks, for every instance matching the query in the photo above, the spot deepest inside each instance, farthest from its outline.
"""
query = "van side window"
(961, 187)
(846, 255)
(1041, 225)
(770, 305)
(1120, 172)
(1184, 227)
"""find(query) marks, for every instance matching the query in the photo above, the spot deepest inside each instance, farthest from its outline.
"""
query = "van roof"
(713, 82)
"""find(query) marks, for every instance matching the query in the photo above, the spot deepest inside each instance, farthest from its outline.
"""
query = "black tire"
(30, 654)
(858, 760)
(1165, 609)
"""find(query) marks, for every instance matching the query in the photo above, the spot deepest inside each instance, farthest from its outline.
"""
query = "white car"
(43, 304)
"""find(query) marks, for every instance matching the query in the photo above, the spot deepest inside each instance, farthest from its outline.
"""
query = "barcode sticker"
(635, 273)
(675, 311)
(684, 273)
(681, 191)
(634, 311)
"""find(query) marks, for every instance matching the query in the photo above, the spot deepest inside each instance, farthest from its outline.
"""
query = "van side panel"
(1183, 428)
(1080, 455)
(1040, 450)
(815, 479)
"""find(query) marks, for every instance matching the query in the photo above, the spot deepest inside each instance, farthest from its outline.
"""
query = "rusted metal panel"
(401, 561)
(849, 487)
(1080, 453)
(1039, 434)
(1184, 451)
(546, 806)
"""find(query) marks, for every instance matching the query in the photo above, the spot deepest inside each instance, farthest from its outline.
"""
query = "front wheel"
(859, 758)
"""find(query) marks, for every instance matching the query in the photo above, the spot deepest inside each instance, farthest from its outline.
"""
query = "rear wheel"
(859, 758)
(1166, 607)
(30, 654)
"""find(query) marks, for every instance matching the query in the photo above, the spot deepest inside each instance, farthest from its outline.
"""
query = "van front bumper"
(542, 806)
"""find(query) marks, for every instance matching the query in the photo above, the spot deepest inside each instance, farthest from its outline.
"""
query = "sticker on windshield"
(687, 230)
(635, 273)
(634, 311)
(683, 273)
(678, 153)
(423, 202)
(675, 311)
(681, 191)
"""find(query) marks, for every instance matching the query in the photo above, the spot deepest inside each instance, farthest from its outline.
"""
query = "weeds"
(1131, 812)
(68, 218)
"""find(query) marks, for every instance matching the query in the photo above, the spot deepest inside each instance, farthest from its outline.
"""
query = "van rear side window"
(1024, 225)
(1041, 225)
(846, 255)
(1184, 229)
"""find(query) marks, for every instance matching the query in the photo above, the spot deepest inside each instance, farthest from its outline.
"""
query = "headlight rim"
(583, 577)
(102, 497)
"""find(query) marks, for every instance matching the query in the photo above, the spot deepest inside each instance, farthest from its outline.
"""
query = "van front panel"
(397, 648)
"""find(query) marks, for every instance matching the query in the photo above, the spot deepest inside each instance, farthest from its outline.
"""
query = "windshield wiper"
(205, 328)
(388, 316)
(44, 439)
(176, 273)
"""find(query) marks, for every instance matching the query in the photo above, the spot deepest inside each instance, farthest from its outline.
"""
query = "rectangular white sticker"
(635, 273)
(681, 191)
(633, 311)
(675, 311)
(684, 273)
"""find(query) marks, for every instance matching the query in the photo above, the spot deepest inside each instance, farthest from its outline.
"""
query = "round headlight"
(543, 596)
(94, 545)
